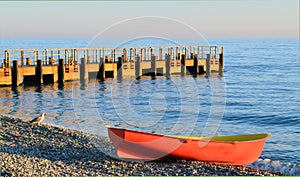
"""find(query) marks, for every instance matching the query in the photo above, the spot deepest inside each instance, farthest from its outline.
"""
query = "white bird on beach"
(38, 119)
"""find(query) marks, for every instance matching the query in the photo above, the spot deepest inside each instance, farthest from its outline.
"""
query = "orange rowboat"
(235, 150)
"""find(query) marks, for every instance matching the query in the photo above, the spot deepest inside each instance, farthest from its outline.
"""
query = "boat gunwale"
(221, 139)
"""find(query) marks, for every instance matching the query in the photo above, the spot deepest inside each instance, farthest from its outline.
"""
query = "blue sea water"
(259, 92)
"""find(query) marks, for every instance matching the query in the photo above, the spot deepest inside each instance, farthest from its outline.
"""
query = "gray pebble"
(44, 150)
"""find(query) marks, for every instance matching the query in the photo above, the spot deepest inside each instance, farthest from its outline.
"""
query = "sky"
(168, 19)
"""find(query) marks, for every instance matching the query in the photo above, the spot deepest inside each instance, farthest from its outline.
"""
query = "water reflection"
(16, 94)
(156, 99)
(27, 102)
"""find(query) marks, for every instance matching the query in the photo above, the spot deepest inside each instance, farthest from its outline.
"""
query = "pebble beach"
(46, 150)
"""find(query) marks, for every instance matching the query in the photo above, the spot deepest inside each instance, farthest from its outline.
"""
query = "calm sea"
(259, 92)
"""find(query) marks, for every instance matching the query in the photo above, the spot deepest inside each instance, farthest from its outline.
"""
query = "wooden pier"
(64, 64)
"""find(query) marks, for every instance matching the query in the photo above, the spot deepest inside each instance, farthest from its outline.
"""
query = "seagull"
(38, 119)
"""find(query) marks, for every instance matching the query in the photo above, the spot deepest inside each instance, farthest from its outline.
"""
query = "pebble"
(46, 150)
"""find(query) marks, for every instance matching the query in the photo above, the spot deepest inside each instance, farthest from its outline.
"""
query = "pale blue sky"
(213, 19)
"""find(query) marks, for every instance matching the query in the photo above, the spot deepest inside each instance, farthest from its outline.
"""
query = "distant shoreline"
(32, 149)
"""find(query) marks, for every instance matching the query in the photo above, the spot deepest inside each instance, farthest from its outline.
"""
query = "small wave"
(277, 166)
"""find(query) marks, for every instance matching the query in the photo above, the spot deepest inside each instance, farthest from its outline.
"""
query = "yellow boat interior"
(239, 138)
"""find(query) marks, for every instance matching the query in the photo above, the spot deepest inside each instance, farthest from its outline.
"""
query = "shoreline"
(41, 149)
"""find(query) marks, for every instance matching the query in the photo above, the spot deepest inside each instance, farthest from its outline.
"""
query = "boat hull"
(236, 150)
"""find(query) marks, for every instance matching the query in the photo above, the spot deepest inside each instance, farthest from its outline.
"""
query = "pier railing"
(62, 62)
(50, 56)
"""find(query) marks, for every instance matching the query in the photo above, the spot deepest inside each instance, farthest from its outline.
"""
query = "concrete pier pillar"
(195, 70)
(208, 64)
(52, 54)
(168, 65)
(90, 59)
(15, 74)
(61, 71)
(22, 58)
(28, 61)
(6, 60)
(58, 54)
(39, 72)
(221, 64)
(101, 72)
(153, 65)
(138, 73)
(177, 58)
(120, 68)
(83, 70)
(183, 68)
